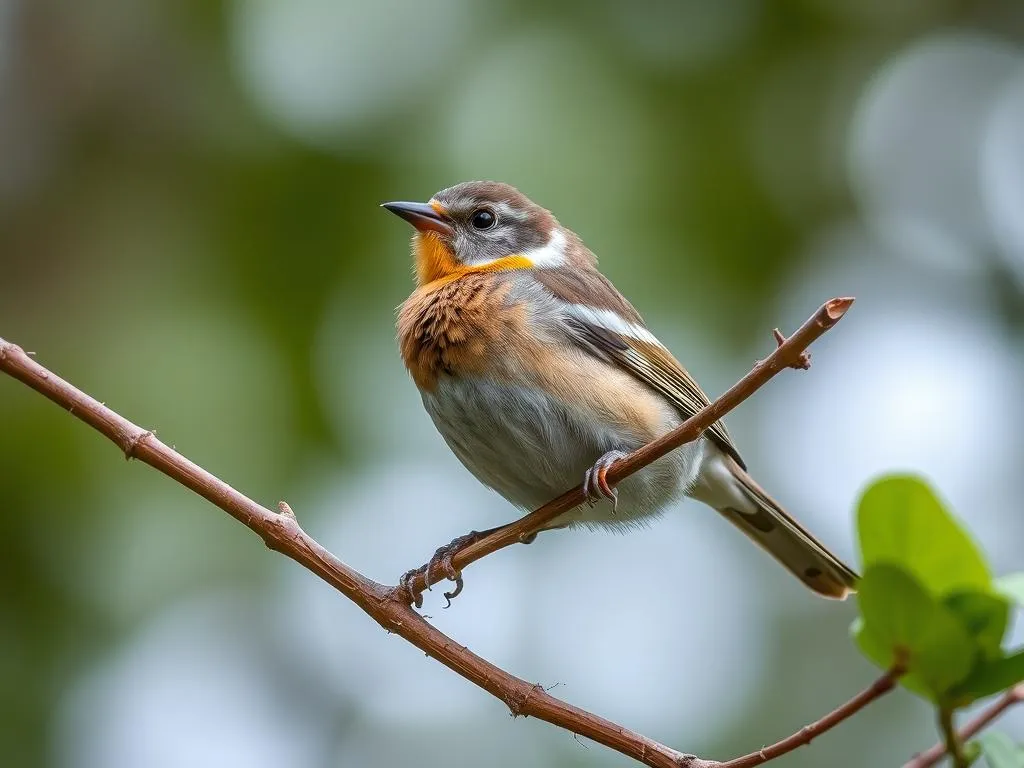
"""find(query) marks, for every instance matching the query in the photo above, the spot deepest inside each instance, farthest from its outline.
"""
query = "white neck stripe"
(551, 254)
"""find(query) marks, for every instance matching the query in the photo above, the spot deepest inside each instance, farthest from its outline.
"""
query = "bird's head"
(481, 226)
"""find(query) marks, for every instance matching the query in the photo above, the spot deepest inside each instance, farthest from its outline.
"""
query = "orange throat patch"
(434, 260)
(436, 264)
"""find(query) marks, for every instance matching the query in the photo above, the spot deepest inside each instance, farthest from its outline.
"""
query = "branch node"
(132, 443)
(517, 699)
(802, 361)
(284, 509)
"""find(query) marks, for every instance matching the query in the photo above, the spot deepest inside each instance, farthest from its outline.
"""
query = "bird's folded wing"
(609, 326)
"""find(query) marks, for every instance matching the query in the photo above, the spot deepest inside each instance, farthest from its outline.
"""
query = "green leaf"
(902, 620)
(1000, 751)
(984, 615)
(1012, 585)
(992, 676)
(901, 521)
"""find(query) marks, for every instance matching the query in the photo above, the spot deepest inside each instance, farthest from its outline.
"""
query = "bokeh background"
(189, 231)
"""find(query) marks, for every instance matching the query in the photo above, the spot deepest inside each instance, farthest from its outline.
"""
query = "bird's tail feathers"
(747, 506)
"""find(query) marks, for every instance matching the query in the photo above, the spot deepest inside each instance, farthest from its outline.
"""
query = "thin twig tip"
(836, 308)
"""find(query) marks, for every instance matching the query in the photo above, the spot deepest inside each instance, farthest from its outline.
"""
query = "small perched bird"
(539, 375)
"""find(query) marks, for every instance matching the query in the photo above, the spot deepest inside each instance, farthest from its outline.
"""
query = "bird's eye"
(482, 219)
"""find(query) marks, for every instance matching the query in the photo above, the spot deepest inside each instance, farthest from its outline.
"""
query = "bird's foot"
(595, 480)
(440, 564)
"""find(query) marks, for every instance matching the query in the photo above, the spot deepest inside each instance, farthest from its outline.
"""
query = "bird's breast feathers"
(457, 327)
(509, 328)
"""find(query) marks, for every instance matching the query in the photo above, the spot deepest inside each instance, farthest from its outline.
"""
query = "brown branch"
(790, 352)
(845, 711)
(281, 532)
(936, 752)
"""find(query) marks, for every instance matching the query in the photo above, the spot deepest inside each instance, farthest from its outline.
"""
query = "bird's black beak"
(424, 216)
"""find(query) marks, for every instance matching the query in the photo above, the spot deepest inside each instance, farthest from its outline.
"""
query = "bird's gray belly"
(530, 447)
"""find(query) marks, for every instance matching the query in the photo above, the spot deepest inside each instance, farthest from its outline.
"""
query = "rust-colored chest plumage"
(454, 327)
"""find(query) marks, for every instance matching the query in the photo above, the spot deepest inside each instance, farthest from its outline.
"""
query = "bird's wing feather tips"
(631, 346)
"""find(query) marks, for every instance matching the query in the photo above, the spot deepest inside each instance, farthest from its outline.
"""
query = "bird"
(539, 375)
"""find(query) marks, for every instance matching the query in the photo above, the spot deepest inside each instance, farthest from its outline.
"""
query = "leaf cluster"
(930, 605)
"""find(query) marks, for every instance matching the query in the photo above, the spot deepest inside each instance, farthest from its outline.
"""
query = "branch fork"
(935, 753)
(389, 606)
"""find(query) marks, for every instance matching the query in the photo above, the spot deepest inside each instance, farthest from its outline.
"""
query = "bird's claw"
(595, 480)
(452, 574)
(407, 584)
(440, 563)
